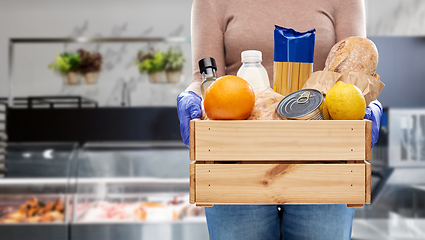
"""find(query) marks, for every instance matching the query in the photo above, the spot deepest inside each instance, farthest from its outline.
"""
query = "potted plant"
(66, 64)
(174, 62)
(152, 63)
(90, 65)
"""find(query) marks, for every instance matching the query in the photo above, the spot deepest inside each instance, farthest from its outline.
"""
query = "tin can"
(305, 104)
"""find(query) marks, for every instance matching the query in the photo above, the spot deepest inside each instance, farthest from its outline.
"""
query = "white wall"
(395, 17)
(92, 18)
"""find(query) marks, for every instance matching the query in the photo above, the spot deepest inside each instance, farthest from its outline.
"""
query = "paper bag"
(370, 86)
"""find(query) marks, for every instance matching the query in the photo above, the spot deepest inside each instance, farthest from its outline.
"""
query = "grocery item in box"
(266, 102)
(305, 104)
(253, 71)
(370, 86)
(293, 59)
(353, 54)
(208, 68)
(229, 98)
(352, 60)
(345, 101)
(255, 74)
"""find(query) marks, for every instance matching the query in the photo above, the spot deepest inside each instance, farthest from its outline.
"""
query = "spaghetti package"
(293, 59)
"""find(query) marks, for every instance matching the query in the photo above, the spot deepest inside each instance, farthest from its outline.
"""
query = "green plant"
(66, 62)
(174, 60)
(90, 62)
(151, 62)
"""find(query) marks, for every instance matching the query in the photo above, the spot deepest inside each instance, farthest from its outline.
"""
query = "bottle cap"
(251, 56)
(205, 63)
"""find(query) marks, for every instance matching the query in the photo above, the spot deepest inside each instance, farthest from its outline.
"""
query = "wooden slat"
(280, 140)
(368, 182)
(192, 140)
(355, 161)
(354, 205)
(280, 184)
(279, 162)
(368, 140)
(204, 205)
(192, 188)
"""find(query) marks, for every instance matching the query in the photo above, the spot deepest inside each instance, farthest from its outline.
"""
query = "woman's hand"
(188, 107)
(374, 113)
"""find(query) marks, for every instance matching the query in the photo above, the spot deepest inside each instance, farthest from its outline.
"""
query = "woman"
(222, 29)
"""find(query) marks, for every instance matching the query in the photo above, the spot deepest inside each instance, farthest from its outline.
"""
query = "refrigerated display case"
(134, 191)
(34, 193)
(103, 191)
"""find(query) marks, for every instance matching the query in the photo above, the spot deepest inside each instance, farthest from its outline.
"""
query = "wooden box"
(280, 162)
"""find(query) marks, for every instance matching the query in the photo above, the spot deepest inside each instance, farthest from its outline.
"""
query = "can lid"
(300, 103)
(205, 63)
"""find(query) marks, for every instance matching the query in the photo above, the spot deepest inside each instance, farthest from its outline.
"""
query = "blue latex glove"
(188, 107)
(374, 113)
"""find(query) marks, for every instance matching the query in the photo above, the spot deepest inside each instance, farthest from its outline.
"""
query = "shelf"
(98, 40)
(105, 181)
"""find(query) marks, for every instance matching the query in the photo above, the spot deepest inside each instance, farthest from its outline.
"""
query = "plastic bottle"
(253, 71)
(208, 69)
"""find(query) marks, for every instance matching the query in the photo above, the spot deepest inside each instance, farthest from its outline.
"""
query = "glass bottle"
(253, 71)
(208, 69)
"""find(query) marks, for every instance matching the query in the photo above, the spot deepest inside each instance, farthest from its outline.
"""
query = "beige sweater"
(222, 29)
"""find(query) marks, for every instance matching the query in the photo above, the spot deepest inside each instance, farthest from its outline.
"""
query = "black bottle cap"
(205, 63)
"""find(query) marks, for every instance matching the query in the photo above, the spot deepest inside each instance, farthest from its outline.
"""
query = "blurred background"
(94, 152)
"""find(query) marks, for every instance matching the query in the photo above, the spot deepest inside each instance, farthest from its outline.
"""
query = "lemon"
(345, 101)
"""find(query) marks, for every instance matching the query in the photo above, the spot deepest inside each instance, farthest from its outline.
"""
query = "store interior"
(100, 156)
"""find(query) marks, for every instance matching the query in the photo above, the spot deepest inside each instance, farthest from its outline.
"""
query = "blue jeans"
(293, 222)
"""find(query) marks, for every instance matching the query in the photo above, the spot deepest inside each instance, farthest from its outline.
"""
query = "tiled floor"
(372, 223)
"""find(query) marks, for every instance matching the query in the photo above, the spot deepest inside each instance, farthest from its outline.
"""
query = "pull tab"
(305, 95)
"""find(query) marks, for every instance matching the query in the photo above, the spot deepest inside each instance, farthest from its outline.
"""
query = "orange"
(229, 97)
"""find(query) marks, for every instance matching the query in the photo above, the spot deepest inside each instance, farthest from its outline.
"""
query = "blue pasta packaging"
(293, 59)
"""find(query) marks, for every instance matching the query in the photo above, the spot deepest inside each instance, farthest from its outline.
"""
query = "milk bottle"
(253, 71)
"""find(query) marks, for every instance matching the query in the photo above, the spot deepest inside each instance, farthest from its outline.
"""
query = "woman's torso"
(249, 25)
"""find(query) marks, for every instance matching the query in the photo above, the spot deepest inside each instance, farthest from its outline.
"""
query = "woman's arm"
(350, 19)
(207, 41)
(207, 31)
